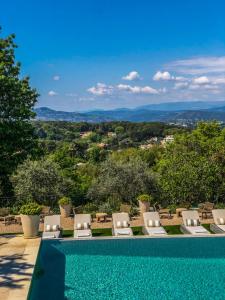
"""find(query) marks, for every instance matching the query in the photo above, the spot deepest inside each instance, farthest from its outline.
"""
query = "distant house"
(111, 134)
(86, 134)
(102, 145)
(146, 146)
(167, 139)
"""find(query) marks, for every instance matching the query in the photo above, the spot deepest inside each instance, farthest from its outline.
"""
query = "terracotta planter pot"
(30, 226)
(65, 210)
(144, 206)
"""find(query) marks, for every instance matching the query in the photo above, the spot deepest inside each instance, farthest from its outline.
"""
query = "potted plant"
(144, 202)
(30, 218)
(65, 206)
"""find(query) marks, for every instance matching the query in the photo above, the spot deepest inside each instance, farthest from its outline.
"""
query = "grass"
(173, 229)
(207, 227)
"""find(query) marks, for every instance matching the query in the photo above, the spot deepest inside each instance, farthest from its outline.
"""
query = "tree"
(40, 181)
(193, 167)
(17, 100)
(123, 181)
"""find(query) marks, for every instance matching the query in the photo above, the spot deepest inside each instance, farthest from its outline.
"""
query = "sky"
(103, 54)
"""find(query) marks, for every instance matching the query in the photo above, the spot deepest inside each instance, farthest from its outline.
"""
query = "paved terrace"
(17, 260)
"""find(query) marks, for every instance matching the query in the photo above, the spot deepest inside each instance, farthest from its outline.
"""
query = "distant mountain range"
(163, 112)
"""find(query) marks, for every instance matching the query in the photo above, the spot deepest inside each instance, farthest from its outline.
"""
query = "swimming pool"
(158, 268)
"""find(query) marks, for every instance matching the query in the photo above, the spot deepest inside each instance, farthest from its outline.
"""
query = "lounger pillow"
(192, 222)
(221, 221)
(48, 227)
(154, 223)
(79, 226)
(125, 224)
(85, 225)
(55, 227)
(119, 224)
(122, 224)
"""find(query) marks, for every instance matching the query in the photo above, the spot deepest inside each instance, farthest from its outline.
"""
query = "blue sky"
(83, 55)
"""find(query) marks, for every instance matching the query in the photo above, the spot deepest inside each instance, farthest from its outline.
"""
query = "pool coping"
(217, 235)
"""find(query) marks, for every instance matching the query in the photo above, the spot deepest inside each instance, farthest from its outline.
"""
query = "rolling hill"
(164, 112)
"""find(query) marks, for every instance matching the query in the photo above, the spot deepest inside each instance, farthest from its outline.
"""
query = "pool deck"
(17, 261)
(68, 224)
(18, 255)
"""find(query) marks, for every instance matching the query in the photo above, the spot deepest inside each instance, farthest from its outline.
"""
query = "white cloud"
(218, 80)
(199, 65)
(201, 80)
(56, 77)
(133, 75)
(180, 85)
(52, 93)
(137, 89)
(209, 87)
(71, 94)
(162, 76)
(166, 76)
(101, 89)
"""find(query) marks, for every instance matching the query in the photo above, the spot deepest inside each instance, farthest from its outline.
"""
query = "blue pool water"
(166, 268)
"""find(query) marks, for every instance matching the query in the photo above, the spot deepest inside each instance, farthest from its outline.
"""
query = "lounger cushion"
(47, 227)
(83, 233)
(119, 224)
(55, 227)
(85, 225)
(125, 224)
(154, 223)
(79, 226)
(192, 222)
(156, 231)
(221, 221)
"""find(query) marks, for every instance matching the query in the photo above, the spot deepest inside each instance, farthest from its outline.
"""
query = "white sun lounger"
(82, 224)
(217, 215)
(195, 230)
(152, 230)
(49, 223)
(121, 225)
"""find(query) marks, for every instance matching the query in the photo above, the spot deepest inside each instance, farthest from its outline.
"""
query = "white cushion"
(118, 224)
(192, 222)
(85, 225)
(48, 227)
(55, 227)
(157, 223)
(79, 226)
(151, 223)
(154, 223)
(188, 221)
(195, 222)
(125, 224)
(221, 221)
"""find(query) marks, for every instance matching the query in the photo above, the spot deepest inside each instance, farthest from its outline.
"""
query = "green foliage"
(64, 201)
(31, 208)
(192, 168)
(17, 100)
(144, 198)
(40, 180)
(124, 181)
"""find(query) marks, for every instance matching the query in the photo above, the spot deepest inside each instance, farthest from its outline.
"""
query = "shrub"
(144, 198)
(31, 208)
(64, 201)
(220, 205)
